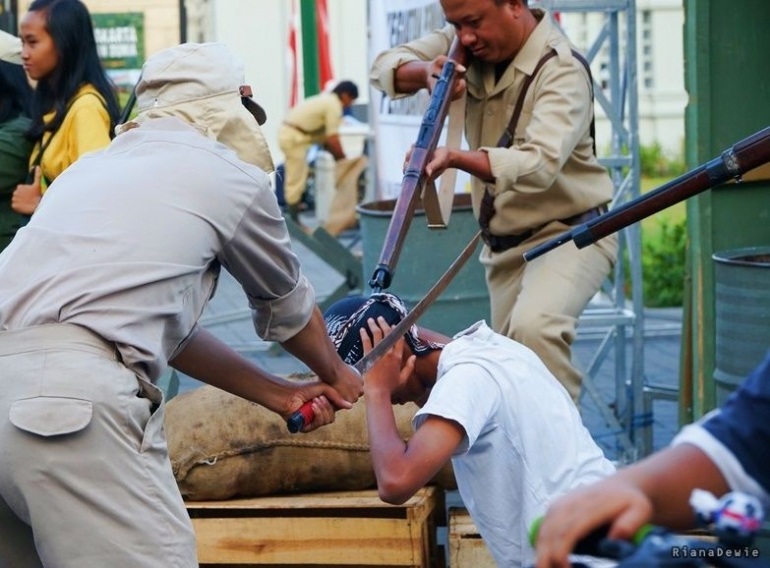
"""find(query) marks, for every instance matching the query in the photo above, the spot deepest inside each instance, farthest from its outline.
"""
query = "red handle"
(304, 415)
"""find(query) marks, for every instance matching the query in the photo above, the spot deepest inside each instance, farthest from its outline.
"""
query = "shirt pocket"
(51, 415)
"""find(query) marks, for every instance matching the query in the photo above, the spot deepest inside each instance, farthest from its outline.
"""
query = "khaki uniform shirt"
(128, 242)
(550, 171)
(319, 116)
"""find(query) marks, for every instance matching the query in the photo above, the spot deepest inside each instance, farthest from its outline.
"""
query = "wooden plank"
(367, 499)
(296, 541)
(333, 253)
(334, 529)
(466, 547)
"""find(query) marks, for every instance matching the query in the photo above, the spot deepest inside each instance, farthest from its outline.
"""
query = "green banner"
(120, 39)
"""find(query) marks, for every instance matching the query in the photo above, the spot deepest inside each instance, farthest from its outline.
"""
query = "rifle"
(414, 174)
(749, 153)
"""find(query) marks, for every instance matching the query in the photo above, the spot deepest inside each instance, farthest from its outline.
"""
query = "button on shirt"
(128, 242)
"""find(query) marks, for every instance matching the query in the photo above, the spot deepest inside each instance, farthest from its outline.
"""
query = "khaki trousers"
(85, 479)
(294, 146)
(539, 303)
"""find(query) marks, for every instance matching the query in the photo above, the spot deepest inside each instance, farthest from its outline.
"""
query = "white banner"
(397, 122)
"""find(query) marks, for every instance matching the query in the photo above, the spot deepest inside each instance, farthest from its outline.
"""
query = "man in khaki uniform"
(547, 179)
(316, 120)
(103, 289)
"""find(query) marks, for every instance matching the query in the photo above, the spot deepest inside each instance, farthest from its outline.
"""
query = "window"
(646, 60)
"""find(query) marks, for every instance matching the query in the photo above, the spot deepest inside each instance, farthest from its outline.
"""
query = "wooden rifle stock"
(414, 175)
(740, 158)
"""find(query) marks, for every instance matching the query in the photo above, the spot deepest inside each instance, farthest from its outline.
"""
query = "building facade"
(660, 69)
(258, 31)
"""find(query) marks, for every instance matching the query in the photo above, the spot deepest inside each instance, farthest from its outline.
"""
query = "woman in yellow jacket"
(75, 107)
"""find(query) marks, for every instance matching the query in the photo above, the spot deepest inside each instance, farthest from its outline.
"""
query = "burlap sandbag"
(222, 446)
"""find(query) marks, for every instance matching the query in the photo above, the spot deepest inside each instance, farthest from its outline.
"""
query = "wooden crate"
(466, 548)
(324, 529)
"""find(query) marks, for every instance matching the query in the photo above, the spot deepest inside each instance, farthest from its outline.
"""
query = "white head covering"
(200, 83)
(10, 48)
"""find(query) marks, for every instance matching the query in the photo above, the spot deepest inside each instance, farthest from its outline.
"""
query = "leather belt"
(500, 243)
(585, 216)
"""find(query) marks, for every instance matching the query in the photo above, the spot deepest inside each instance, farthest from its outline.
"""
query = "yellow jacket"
(86, 128)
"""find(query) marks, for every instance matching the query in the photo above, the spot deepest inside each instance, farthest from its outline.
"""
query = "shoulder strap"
(507, 138)
(487, 209)
(582, 60)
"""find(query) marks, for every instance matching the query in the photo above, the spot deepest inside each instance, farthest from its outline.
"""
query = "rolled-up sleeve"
(427, 48)
(260, 258)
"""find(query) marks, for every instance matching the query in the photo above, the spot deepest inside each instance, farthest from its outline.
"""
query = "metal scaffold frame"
(619, 321)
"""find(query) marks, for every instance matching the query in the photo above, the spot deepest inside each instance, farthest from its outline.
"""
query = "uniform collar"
(481, 78)
(532, 50)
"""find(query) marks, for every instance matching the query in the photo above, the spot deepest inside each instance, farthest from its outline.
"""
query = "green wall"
(727, 76)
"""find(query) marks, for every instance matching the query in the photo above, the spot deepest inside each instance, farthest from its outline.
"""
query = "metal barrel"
(742, 326)
(425, 256)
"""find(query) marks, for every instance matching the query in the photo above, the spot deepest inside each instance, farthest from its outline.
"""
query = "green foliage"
(654, 163)
(664, 235)
(663, 264)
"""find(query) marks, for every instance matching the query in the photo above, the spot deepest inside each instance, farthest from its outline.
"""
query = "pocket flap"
(51, 415)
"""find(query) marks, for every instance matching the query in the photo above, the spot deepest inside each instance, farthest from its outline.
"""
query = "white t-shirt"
(525, 443)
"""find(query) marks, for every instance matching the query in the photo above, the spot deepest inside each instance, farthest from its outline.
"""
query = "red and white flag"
(292, 58)
(325, 71)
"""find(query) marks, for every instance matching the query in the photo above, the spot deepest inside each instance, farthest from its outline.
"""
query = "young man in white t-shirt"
(488, 403)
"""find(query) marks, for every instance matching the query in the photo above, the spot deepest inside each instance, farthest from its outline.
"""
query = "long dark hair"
(16, 96)
(69, 24)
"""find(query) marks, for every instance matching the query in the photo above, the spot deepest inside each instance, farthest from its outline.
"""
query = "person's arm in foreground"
(313, 347)
(209, 360)
(654, 490)
(401, 467)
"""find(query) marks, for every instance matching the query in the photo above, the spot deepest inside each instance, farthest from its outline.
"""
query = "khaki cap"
(10, 48)
(203, 84)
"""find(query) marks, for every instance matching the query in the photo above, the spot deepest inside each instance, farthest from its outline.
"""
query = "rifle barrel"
(745, 155)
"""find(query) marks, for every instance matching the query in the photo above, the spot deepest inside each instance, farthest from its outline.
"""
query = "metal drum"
(742, 282)
(425, 256)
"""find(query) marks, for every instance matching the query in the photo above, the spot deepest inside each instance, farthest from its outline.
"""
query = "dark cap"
(346, 317)
(251, 105)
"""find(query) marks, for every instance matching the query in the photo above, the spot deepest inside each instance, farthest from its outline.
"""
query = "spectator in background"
(75, 106)
(15, 148)
(316, 120)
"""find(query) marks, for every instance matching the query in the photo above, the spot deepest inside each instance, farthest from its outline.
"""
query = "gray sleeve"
(259, 256)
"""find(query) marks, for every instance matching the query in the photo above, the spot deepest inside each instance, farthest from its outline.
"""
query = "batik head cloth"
(346, 317)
